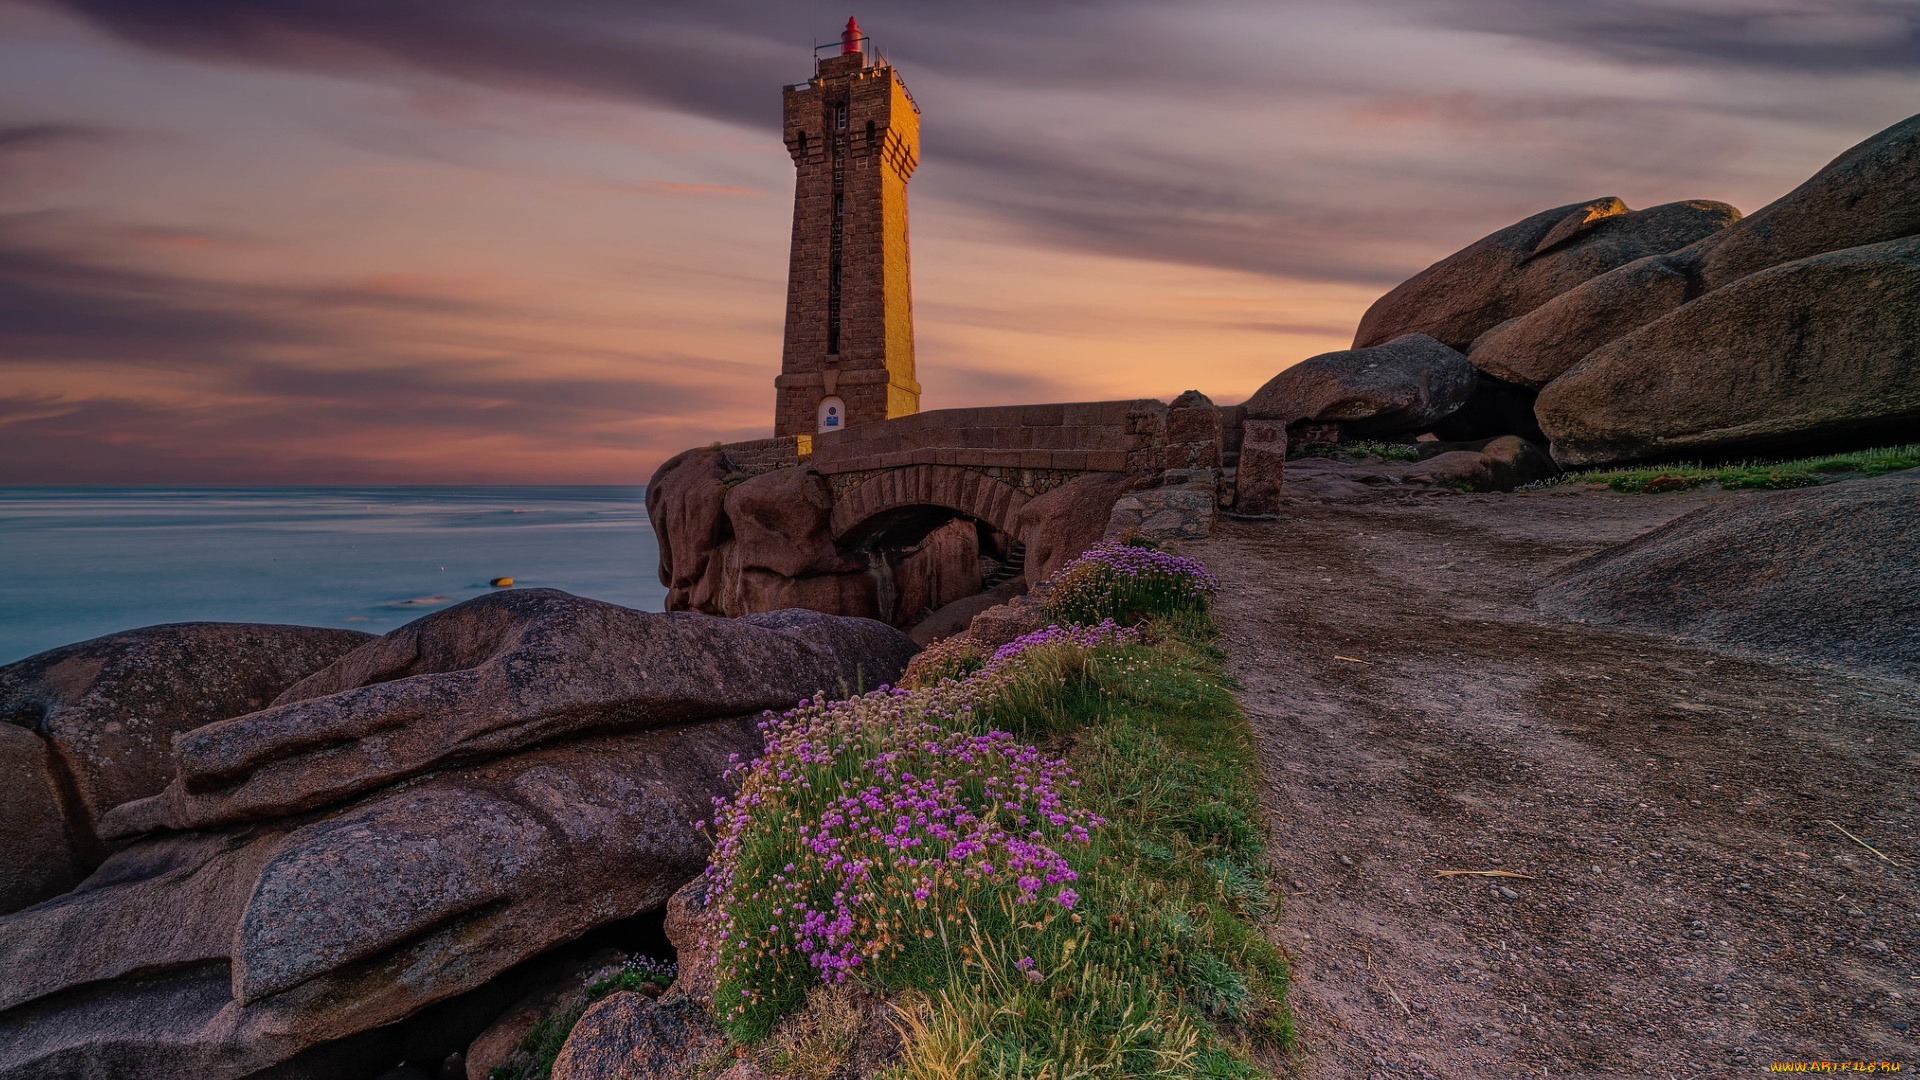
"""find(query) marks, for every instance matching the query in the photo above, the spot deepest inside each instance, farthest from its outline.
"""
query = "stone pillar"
(1193, 432)
(1263, 464)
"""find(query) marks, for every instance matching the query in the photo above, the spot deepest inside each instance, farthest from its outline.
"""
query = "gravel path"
(1689, 910)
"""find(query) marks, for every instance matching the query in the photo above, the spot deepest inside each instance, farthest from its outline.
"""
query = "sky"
(472, 241)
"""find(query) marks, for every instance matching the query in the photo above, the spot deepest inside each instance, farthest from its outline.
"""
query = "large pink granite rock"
(494, 675)
(1515, 270)
(104, 714)
(222, 952)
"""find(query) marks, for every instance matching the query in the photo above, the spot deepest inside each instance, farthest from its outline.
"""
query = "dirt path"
(1691, 912)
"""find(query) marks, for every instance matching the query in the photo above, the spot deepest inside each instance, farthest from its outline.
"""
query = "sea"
(76, 563)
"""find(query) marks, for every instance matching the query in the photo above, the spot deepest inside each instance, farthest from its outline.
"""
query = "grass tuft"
(1361, 451)
(1750, 475)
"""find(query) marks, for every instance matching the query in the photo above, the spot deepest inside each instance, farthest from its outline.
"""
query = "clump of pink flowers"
(871, 823)
(1125, 582)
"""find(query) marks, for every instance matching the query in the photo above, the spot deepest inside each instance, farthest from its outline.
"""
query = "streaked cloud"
(485, 239)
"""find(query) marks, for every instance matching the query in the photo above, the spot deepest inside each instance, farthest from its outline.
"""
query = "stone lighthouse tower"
(854, 135)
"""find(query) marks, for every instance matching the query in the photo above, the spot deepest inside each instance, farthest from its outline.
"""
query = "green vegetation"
(533, 1058)
(1751, 475)
(535, 1055)
(1127, 582)
(1165, 972)
(1361, 451)
(1104, 913)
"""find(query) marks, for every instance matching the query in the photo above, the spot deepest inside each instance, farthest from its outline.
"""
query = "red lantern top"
(850, 37)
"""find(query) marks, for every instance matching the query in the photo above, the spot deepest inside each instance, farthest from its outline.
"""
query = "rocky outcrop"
(1501, 465)
(686, 502)
(498, 674)
(1868, 195)
(629, 1035)
(1817, 353)
(221, 952)
(104, 713)
(779, 525)
(1060, 524)
(401, 829)
(1515, 270)
(956, 617)
(1406, 385)
(940, 569)
(42, 859)
(1536, 348)
(1830, 575)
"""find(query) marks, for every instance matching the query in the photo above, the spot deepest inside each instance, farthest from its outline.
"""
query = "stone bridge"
(985, 464)
(916, 502)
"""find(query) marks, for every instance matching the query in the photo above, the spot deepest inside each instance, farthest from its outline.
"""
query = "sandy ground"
(1690, 909)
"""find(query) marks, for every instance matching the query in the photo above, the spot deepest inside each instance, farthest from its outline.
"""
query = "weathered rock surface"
(1515, 270)
(940, 569)
(686, 501)
(1828, 574)
(1501, 465)
(957, 616)
(695, 951)
(106, 711)
(1816, 353)
(1060, 524)
(856, 593)
(565, 991)
(1516, 462)
(494, 675)
(218, 953)
(1868, 195)
(630, 1037)
(1538, 347)
(1405, 385)
(1003, 622)
(1465, 470)
(40, 859)
(779, 524)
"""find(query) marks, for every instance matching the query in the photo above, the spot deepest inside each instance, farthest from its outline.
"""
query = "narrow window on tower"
(839, 206)
(840, 116)
(869, 136)
(803, 146)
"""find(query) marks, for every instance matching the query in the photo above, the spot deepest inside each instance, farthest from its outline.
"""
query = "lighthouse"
(853, 132)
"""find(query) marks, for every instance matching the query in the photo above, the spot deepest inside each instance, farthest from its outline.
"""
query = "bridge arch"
(911, 495)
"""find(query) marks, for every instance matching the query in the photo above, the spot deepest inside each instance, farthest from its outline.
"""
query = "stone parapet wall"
(1099, 436)
(763, 455)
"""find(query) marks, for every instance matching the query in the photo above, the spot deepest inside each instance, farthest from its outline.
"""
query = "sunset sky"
(447, 241)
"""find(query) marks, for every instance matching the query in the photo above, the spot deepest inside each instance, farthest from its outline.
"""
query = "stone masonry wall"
(1097, 436)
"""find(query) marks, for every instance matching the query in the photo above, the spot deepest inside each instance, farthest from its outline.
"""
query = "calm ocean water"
(76, 563)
